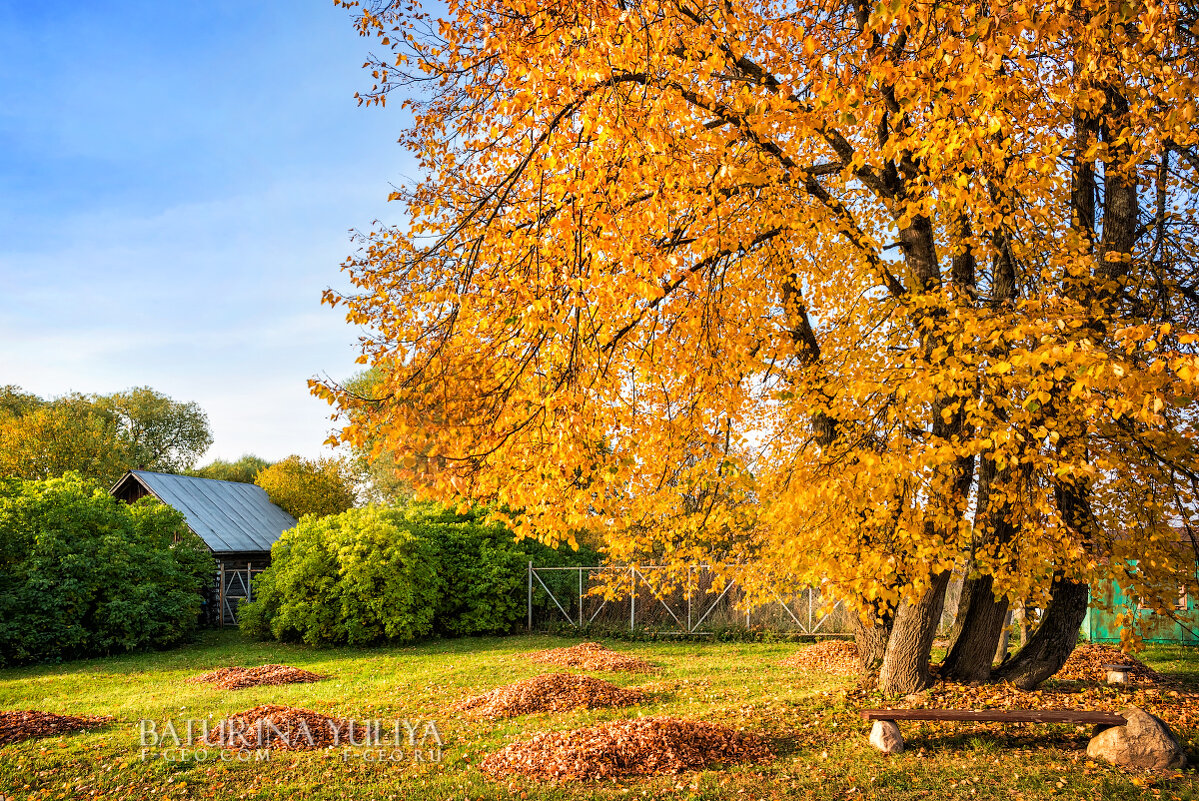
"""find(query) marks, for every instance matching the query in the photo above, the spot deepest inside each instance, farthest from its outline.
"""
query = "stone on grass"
(1143, 742)
(885, 736)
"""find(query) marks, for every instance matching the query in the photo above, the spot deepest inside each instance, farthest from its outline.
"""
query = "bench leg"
(885, 736)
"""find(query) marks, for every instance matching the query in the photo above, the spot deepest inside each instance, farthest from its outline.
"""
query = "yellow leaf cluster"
(775, 285)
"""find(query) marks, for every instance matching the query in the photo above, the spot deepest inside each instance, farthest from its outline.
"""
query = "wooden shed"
(237, 522)
(1108, 599)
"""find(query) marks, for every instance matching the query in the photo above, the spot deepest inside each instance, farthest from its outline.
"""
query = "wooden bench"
(887, 738)
(1118, 674)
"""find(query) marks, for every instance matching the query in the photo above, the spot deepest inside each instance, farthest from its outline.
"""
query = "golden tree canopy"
(773, 283)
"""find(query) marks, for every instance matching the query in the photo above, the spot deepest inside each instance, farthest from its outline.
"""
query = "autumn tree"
(15, 402)
(893, 289)
(50, 439)
(245, 470)
(319, 487)
(376, 462)
(98, 436)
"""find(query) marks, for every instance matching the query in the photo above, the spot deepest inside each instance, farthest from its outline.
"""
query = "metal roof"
(228, 515)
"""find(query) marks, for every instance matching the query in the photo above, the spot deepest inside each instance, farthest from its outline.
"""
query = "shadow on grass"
(214, 648)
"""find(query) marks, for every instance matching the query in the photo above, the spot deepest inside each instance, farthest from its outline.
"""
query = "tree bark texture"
(971, 653)
(961, 608)
(1001, 650)
(905, 663)
(1021, 615)
(1052, 643)
(980, 614)
(871, 640)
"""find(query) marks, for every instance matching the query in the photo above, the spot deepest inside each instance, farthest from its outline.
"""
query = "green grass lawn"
(820, 741)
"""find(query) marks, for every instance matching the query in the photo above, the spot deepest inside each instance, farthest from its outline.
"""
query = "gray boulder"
(885, 736)
(1143, 742)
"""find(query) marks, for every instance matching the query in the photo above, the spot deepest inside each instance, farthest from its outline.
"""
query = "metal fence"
(641, 597)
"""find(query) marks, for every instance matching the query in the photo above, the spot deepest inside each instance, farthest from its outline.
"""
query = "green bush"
(350, 579)
(480, 565)
(82, 573)
(393, 574)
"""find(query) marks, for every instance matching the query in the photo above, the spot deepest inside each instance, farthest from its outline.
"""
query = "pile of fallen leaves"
(592, 656)
(839, 657)
(551, 692)
(21, 724)
(235, 678)
(281, 727)
(644, 746)
(1088, 660)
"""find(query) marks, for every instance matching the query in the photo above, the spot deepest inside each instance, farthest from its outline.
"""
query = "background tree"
(98, 436)
(380, 469)
(317, 487)
(50, 439)
(854, 265)
(15, 402)
(245, 470)
(158, 433)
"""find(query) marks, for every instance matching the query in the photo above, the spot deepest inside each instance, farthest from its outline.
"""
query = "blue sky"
(177, 183)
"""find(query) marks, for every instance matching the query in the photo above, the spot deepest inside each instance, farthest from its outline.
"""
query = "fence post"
(221, 597)
(249, 581)
(580, 597)
(633, 598)
(688, 599)
(530, 595)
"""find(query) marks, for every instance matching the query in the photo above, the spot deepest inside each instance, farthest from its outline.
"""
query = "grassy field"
(820, 741)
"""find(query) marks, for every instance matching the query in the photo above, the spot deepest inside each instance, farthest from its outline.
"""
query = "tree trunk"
(980, 613)
(1021, 615)
(1052, 643)
(905, 663)
(1004, 639)
(962, 609)
(871, 640)
(971, 653)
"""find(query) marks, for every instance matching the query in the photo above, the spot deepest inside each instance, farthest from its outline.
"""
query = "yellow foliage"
(765, 285)
(309, 486)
